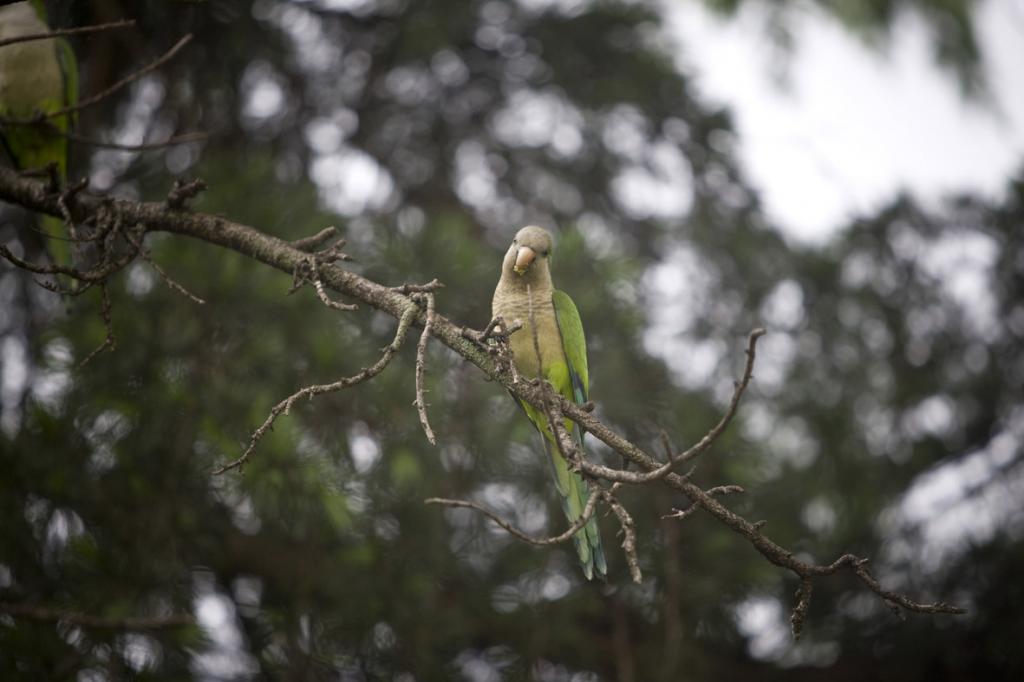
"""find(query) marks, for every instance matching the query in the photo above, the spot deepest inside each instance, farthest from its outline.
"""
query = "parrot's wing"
(574, 345)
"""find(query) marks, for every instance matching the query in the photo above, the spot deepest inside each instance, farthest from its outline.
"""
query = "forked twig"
(110, 341)
(367, 373)
(171, 282)
(574, 527)
(421, 362)
(681, 514)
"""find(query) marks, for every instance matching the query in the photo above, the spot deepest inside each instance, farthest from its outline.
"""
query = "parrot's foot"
(494, 340)
(496, 329)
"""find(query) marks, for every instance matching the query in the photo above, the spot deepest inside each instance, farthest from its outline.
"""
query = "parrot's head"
(531, 245)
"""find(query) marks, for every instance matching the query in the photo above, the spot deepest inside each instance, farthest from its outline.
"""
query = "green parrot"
(37, 76)
(526, 273)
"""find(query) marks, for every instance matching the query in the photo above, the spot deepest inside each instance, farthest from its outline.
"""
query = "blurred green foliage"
(893, 351)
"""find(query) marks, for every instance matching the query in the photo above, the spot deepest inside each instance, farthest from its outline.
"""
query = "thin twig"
(628, 532)
(51, 130)
(60, 32)
(574, 527)
(308, 270)
(309, 391)
(421, 362)
(803, 602)
(183, 190)
(322, 293)
(184, 138)
(171, 282)
(740, 386)
(895, 599)
(716, 431)
(51, 615)
(428, 288)
(681, 514)
(313, 242)
(108, 342)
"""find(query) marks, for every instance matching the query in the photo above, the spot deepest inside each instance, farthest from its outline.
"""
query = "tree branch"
(588, 511)
(61, 32)
(279, 254)
(367, 373)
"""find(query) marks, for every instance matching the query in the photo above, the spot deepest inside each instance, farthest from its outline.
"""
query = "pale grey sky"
(852, 126)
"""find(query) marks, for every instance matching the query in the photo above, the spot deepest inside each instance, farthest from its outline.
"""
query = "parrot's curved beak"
(524, 257)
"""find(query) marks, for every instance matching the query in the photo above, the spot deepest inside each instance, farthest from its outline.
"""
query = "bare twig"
(184, 138)
(716, 431)
(65, 198)
(628, 532)
(171, 282)
(333, 253)
(308, 269)
(51, 615)
(108, 342)
(741, 386)
(681, 514)
(184, 190)
(313, 242)
(47, 128)
(895, 599)
(803, 602)
(322, 293)
(574, 527)
(428, 288)
(309, 391)
(421, 362)
(58, 33)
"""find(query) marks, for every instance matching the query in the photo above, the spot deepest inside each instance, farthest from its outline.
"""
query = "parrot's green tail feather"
(575, 492)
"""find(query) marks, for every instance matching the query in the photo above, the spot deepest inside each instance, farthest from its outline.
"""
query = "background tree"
(428, 132)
